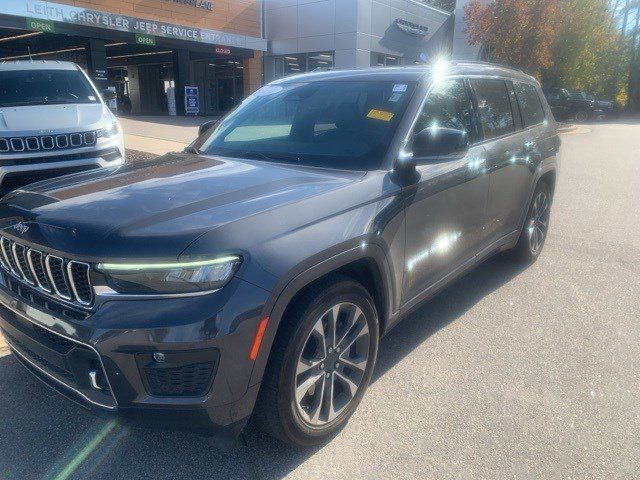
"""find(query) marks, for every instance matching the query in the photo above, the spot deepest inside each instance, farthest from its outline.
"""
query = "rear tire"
(317, 374)
(536, 226)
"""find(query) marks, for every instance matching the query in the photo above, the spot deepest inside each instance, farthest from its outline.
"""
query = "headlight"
(109, 131)
(166, 278)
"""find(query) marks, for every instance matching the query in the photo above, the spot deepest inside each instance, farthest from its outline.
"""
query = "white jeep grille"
(40, 143)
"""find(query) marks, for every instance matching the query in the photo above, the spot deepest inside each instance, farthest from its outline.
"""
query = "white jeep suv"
(53, 122)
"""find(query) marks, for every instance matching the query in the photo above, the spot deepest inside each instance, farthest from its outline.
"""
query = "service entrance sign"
(41, 15)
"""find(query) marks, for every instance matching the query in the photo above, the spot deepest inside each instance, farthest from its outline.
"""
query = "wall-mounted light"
(41, 54)
(18, 37)
(139, 54)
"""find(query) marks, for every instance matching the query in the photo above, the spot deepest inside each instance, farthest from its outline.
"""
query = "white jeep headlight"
(109, 131)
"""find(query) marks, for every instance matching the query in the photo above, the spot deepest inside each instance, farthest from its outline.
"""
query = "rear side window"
(530, 104)
(494, 107)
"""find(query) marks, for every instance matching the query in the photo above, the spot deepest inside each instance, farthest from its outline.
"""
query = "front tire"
(581, 116)
(536, 226)
(321, 363)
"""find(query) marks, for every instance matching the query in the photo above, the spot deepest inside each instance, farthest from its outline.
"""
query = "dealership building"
(149, 51)
(309, 35)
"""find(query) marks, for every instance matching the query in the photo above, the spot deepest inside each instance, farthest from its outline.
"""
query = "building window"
(302, 62)
(319, 61)
(382, 60)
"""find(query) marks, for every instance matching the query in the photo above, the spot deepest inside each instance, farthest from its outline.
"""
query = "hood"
(60, 118)
(156, 209)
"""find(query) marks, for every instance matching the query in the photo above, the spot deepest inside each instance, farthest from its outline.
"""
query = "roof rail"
(489, 64)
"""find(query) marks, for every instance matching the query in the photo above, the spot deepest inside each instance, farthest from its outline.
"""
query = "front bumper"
(117, 342)
(16, 173)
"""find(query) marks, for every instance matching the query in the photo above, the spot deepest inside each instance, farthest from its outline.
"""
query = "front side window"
(333, 124)
(44, 87)
(530, 104)
(494, 107)
(447, 106)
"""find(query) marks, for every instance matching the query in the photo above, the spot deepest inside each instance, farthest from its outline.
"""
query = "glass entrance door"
(226, 95)
(223, 80)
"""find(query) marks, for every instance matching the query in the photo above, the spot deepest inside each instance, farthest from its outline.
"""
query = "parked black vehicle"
(578, 106)
(256, 272)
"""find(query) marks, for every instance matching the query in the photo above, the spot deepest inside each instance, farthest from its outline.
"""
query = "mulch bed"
(138, 156)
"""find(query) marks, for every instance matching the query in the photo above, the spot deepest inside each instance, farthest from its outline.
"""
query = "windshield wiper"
(275, 157)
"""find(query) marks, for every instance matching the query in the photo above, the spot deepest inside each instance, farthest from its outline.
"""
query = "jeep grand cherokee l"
(256, 272)
(52, 122)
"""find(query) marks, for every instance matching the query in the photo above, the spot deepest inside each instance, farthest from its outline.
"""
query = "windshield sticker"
(380, 115)
(400, 88)
(92, 98)
(395, 97)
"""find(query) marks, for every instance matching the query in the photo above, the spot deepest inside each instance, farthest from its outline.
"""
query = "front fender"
(290, 285)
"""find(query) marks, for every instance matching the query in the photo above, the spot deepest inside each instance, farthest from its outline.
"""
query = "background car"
(576, 106)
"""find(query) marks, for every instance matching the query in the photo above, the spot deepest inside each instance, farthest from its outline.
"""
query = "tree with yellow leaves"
(569, 43)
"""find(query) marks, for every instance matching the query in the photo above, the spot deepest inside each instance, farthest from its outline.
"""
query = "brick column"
(252, 73)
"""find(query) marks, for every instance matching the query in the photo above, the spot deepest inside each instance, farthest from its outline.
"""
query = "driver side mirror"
(438, 141)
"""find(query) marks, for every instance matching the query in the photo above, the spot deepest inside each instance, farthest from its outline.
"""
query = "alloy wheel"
(539, 222)
(332, 364)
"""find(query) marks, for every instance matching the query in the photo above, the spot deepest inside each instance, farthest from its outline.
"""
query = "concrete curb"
(566, 127)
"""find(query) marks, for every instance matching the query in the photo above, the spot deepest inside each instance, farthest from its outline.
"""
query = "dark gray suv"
(255, 272)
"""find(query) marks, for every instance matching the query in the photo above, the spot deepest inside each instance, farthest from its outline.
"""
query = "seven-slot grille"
(47, 142)
(68, 280)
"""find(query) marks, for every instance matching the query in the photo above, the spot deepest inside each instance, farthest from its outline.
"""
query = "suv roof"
(37, 65)
(412, 73)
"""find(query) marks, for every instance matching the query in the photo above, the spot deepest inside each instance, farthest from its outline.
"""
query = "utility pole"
(626, 17)
(614, 11)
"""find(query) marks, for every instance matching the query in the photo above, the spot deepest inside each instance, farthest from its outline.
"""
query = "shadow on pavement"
(446, 307)
(625, 119)
(46, 436)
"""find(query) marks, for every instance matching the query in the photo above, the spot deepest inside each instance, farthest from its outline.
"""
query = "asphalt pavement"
(511, 372)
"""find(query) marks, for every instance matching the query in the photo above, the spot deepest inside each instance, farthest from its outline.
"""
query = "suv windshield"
(44, 87)
(333, 124)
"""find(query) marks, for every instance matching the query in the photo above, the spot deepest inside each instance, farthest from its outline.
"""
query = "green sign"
(145, 39)
(45, 26)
